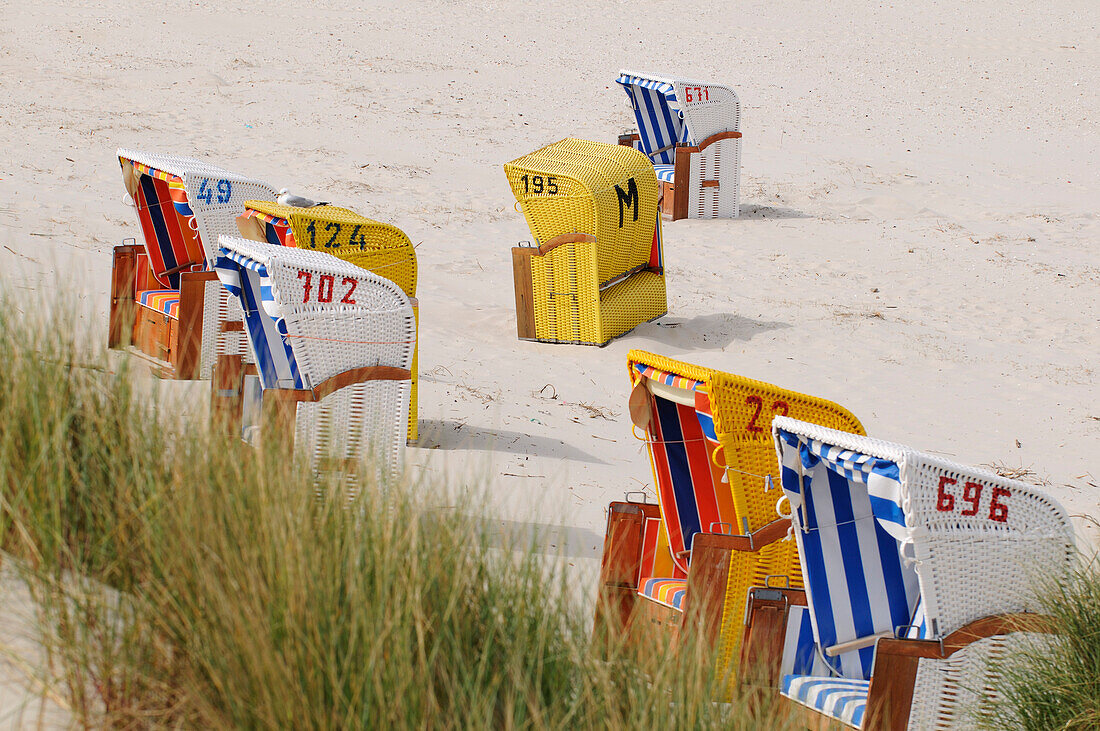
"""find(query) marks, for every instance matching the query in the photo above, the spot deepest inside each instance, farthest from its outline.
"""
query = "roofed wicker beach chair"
(690, 130)
(164, 297)
(688, 562)
(596, 269)
(333, 345)
(917, 572)
(378, 247)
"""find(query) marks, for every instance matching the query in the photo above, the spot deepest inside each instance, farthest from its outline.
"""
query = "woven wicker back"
(983, 543)
(578, 186)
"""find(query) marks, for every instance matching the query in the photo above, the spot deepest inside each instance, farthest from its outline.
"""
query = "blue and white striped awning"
(847, 510)
(659, 116)
(247, 279)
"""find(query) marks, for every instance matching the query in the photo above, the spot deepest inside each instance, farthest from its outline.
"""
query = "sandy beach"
(918, 238)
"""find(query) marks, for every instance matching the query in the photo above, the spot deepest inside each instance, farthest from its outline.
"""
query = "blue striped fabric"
(800, 655)
(848, 520)
(247, 279)
(665, 172)
(839, 698)
(657, 112)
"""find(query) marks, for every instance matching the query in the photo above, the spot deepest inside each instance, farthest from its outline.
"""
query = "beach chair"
(596, 268)
(690, 130)
(378, 247)
(689, 561)
(333, 345)
(917, 571)
(164, 297)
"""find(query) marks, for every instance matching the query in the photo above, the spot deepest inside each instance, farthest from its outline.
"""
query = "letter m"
(627, 198)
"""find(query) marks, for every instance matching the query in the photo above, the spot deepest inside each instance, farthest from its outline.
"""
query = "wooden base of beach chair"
(174, 344)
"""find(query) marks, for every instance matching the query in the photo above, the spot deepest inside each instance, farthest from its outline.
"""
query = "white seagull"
(289, 199)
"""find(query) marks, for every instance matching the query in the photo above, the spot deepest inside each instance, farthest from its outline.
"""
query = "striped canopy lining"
(692, 492)
(669, 592)
(850, 521)
(277, 230)
(165, 301)
(166, 222)
(657, 112)
(248, 280)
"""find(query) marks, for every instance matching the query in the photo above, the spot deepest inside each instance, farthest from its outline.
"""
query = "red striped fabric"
(165, 301)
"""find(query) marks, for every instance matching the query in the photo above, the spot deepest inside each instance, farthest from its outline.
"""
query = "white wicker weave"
(708, 109)
(981, 545)
(212, 219)
(339, 317)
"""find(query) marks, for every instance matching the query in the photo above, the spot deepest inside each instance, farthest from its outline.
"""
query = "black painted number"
(538, 185)
(335, 228)
(357, 238)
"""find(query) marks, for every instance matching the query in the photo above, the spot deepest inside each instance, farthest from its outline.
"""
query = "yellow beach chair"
(688, 563)
(380, 248)
(596, 268)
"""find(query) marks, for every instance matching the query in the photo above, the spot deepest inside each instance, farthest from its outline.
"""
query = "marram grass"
(183, 579)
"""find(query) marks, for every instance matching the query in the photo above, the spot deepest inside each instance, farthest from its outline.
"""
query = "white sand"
(919, 194)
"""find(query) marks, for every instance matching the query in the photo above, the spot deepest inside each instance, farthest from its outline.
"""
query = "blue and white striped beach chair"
(909, 563)
(333, 346)
(691, 132)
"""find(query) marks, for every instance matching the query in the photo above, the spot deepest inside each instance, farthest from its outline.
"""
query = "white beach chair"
(691, 132)
(167, 286)
(333, 346)
(917, 572)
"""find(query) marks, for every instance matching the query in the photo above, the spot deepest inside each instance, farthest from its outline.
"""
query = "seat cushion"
(165, 301)
(664, 172)
(669, 592)
(839, 698)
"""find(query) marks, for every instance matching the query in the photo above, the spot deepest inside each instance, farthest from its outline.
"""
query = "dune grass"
(1054, 682)
(183, 579)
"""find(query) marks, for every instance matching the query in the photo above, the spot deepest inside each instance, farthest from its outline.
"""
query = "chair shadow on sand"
(544, 538)
(706, 332)
(451, 434)
(758, 212)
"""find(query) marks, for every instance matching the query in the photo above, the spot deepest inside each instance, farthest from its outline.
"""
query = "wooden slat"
(192, 299)
(705, 600)
(358, 375)
(622, 555)
(120, 324)
(557, 241)
(680, 174)
(525, 300)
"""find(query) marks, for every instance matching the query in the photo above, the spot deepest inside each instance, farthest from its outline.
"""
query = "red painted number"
(702, 93)
(998, 511)
(325, 294)
(347, 297)
(309, 279)
(945, 501)
(779, 407)
(326, 287)
(972, 494)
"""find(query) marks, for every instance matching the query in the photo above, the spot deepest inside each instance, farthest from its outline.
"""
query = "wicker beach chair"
(917, 572)
(164, 297)
(333, 345)
(690, 130)
(596, 269)
(378, 247)
(689, 562)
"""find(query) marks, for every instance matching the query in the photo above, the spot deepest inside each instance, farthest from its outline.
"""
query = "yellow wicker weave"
(743, 409)
(378, 247)
(591, 291)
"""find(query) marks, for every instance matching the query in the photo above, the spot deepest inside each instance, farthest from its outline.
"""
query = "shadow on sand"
(707, 332)
(450, 434)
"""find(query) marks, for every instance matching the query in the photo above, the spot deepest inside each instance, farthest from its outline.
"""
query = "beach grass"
(181, 578)
(1053, 682)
